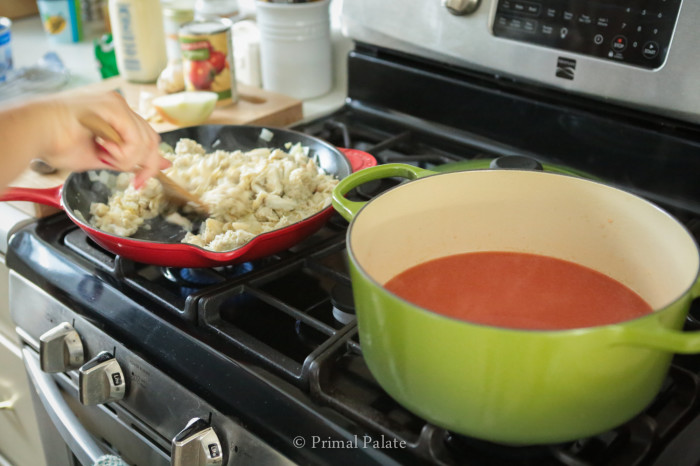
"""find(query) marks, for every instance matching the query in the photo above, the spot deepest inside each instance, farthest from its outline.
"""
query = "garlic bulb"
(172, 78)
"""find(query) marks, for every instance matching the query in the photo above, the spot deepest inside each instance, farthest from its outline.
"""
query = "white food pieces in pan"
(248, 193)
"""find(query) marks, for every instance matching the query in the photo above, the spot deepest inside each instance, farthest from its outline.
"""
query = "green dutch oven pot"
(510, 385)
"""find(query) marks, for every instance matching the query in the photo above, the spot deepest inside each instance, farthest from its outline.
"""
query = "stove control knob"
(461, 7)
(60, 349)
(101, 380)
(196, 445)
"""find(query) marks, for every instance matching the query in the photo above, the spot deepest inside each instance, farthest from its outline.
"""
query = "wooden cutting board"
(255, 107)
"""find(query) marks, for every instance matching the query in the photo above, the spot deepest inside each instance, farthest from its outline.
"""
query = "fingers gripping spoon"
(173, 191)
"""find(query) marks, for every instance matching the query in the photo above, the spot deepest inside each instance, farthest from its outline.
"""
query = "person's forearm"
(21, 138)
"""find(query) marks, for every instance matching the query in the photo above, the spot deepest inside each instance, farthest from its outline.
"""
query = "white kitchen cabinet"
(20, 443)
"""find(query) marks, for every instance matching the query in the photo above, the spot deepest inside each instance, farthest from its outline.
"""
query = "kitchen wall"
(14, 9)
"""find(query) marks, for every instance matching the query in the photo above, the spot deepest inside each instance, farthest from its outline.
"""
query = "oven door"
(73, 435)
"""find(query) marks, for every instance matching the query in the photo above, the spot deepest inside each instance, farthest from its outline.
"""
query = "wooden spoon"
(173, 191)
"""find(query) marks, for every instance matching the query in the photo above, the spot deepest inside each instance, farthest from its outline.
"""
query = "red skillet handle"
(358, 159)
(46, 196)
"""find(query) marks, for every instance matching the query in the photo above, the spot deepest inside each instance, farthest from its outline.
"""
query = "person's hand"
(69, 145)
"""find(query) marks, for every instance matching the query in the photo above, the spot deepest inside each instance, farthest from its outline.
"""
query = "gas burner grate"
(281, 316)
(276, 311)
(389, 143)
(173, 289)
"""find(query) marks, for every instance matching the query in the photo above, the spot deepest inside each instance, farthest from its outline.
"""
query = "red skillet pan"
(160, 244)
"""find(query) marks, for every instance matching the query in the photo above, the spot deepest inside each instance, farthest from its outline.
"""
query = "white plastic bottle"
(139, 38)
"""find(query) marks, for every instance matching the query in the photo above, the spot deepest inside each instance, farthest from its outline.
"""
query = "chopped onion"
(266, 135)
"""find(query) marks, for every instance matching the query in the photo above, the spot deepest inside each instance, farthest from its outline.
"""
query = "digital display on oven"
(629, 31)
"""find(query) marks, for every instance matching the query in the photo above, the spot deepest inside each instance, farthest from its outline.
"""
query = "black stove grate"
(283, 316)
(277, 311)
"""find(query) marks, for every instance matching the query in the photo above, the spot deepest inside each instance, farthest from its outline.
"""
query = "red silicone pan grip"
(358, 159)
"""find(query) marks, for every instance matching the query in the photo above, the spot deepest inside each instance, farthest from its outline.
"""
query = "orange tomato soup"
(518, 290)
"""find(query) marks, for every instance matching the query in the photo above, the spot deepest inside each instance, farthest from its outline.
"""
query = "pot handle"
(348, 209)
(46, 196)
(661, 338)
(358, 159)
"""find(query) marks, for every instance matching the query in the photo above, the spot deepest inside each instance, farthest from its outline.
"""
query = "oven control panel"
(634, 32)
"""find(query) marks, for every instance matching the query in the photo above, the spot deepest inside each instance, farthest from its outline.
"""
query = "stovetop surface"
(274, 341)
(288, 319)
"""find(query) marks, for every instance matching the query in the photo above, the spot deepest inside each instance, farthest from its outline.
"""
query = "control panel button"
(650, 50)
(60, 349)
(532, 9)
(101, 380)
(530, 25)
(598, 39)
(196, 445)
(619, 43)
(515, 23)
(522, 7)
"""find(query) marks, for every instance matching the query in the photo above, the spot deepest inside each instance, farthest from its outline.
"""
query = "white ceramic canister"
(5, 48)
(139, 38)
(295, 47)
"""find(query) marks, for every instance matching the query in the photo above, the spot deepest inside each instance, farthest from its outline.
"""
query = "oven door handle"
(85, 449)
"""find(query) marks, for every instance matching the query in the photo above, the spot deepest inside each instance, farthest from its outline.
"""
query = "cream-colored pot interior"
(614, 232)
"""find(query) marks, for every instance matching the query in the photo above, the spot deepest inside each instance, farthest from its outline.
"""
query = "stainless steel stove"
(260, 362)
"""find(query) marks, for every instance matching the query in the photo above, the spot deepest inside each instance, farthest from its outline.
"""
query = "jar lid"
(5, 23)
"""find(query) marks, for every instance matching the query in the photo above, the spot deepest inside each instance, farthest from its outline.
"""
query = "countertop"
(30, 43)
